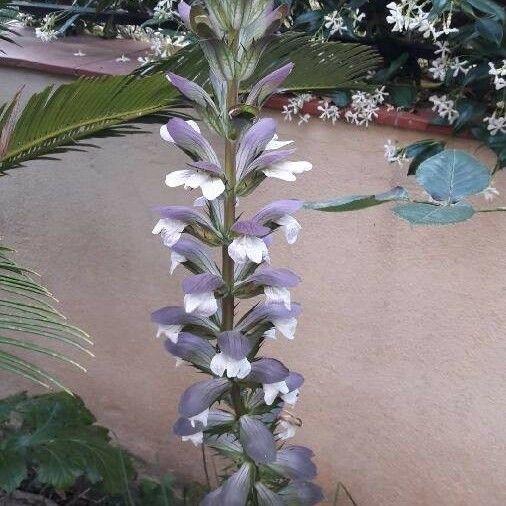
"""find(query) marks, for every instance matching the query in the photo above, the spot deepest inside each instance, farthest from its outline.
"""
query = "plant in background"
(239, 410)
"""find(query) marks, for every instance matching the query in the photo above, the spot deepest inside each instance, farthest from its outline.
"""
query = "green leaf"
(469, 111)
(488, 7)
(420, 151)
(490, 29)
(402, 95)
(356, 202)
(428, 214)
(452, 175)
(153, 493)
(56, 118)
(12, 470)
(26, 314)
(319, 65)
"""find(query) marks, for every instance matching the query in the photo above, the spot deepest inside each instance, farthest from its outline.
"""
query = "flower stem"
(228, 263)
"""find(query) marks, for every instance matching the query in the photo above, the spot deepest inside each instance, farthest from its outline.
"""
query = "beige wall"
(401, 340)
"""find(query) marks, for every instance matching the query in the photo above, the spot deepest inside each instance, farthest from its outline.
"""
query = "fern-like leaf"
(54, 119)
(319, 66)
(26, 310)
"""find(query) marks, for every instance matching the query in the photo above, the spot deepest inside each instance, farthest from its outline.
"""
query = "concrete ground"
(401, 340)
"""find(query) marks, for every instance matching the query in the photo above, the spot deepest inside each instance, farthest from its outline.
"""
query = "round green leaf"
(452, 175)
(428, 214)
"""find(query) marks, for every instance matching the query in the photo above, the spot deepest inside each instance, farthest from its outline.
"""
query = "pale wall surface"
(401, 340)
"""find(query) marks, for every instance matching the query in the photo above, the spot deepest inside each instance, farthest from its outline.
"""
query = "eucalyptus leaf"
(356, 202)
(452, 175)
(429, 214)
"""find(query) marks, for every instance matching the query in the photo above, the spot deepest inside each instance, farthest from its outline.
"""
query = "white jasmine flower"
(334, 22)
(499, 75)
(496, 123)
(123, 59)
(303, 118)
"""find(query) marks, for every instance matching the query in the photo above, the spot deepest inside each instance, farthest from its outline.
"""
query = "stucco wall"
(401, 340)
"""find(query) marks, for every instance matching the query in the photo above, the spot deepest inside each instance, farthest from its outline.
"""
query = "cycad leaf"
(55, 118)
(318, 65)
(26, 310)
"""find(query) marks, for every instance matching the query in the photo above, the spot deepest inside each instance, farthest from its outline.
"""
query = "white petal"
(169, 331)
(291, 397)
(286, 430)
(286, 327)
(276, 294)
(164, 134)
(290, 226)
(168, 225)
(196, 180)
(179, 361)
(271, 391)
(274, 143)
(212, 188)
(201, 417)
(277, 173)
(178, 177)
(175, 260)
(255, 248)
(270, 334)
(201, 304)
(218, 364)
(196, 439)
(237, 251)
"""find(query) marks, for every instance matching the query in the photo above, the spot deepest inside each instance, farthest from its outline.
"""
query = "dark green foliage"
(54, 439)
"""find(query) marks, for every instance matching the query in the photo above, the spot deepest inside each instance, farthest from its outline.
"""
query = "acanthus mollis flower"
(192, 348)
(257, 440)
(294, 381)
(294, 462)
(171, 320)
(271, 315)
(249, 245)
(232, 357)
(204, 175)
(279, 214)
(199, 296)
(235, 491)
(266, 497)
(189, 431)
(198, 398)
(194, 255)
(275, 284)
(187, 137)
(177, 219)
(286, 430)
(268, 85)
(272, 374)
(301, 492)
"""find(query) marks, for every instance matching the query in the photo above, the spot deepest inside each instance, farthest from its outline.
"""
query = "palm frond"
(319, 66)
(27, 312)
(7, 14)
(54, 119)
